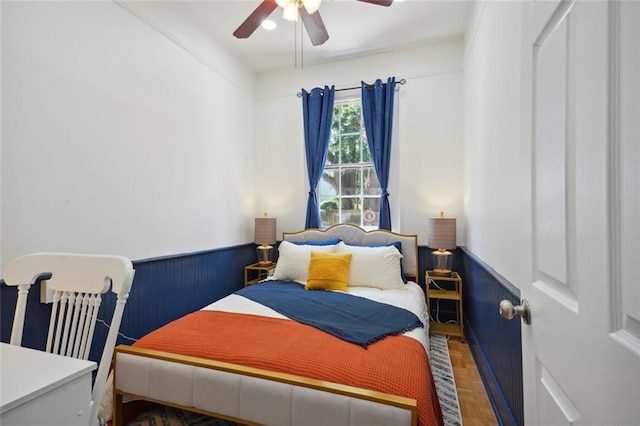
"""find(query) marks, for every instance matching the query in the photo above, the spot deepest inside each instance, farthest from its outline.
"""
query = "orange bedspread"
(397, 364)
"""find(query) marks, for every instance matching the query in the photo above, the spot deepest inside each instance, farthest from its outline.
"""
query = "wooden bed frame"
(241, 391)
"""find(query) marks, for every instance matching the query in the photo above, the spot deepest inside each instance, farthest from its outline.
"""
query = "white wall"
(127, 130)
(1, 237)
(430, 130)
(119, 135)
(497, 192)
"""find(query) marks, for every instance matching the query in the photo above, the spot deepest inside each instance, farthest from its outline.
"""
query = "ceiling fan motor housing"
(311, 6)
(292, 9)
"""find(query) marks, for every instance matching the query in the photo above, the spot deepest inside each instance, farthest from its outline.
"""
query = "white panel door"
(581, 351)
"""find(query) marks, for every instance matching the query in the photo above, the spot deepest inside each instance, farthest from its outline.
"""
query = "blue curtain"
(317, 111)
(377, 111)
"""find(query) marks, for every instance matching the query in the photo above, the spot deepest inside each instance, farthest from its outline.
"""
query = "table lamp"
(265, 235)
(442, 236)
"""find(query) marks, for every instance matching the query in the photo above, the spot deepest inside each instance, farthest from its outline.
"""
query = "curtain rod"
(401, 82)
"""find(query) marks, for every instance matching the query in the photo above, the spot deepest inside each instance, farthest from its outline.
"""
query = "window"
(349, 191)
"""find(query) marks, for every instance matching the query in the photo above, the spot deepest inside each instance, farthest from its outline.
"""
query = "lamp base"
(264, 255)
(442, 260)
(442, 272)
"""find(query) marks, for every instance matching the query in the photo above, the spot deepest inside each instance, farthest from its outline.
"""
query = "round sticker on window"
(369, 216)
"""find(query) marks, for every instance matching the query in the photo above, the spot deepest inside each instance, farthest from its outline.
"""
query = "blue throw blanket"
(351, 318)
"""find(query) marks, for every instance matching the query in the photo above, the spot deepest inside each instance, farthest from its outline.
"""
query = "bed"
(243, 358)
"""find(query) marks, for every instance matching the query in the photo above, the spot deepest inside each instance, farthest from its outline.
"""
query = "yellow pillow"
(328, 271)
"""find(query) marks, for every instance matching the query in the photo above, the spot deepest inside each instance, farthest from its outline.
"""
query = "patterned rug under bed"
(442, 374)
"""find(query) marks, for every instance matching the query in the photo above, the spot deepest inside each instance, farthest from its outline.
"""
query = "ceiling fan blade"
(378, 2)
(254, 20)
(314, 26)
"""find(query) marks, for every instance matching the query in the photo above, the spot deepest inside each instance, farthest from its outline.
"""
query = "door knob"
(508, 311)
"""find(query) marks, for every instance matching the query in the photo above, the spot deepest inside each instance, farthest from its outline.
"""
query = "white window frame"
(362, 166)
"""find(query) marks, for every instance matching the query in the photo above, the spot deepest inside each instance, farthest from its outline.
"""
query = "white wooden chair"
(78, 282)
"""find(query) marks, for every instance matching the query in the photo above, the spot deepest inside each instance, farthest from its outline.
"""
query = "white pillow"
(294, 259)
(377, 267)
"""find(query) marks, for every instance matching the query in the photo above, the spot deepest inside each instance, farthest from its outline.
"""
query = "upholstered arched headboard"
(354, 235)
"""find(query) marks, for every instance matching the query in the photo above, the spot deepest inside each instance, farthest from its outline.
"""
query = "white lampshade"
(283, 3)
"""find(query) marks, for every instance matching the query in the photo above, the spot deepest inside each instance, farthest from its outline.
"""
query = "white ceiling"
(354, 27)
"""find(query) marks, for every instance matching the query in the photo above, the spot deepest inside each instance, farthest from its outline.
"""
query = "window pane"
(349, 175)
(350, 149)
(350, 118)
(335, 126)
(370, 213)
(351, 210)
(370, 183)
(350, 182)
(328, 185)
(333, 156)
(366, 154)
(329, 214)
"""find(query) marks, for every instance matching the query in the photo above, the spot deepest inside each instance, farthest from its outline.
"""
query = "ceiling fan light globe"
(283, 3)
(268, 24)
(290, 13)
(311, 6)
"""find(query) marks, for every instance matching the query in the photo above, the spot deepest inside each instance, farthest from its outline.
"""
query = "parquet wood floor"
(474, 403)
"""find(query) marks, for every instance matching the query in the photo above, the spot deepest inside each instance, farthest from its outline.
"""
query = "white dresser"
(39, 388)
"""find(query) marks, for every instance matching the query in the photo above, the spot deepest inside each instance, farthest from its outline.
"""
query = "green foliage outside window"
(349, 191)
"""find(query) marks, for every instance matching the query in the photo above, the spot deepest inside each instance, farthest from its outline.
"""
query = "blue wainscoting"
(167, 288)
(494, 342)
(163, 289)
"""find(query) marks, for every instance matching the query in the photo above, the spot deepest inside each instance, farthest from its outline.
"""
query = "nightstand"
(256, 272)
(450, 288)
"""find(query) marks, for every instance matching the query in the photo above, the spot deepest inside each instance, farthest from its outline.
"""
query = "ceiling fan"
(305, 9)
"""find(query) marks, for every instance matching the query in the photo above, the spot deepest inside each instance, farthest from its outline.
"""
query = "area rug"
(160, 415)
(156, 415)
(443, 376)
